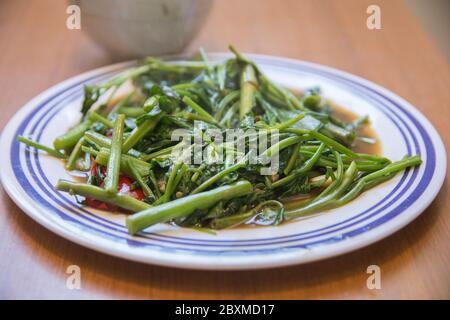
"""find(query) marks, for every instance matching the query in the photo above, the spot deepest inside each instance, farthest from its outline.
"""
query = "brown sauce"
(347, 116)
(365, 130)
(298, 201)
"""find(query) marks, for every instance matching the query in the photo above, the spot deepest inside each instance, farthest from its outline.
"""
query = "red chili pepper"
(137, 194)
(109, 133)
(123, 187)
(93, 167)
(97, 204)
(124, 184)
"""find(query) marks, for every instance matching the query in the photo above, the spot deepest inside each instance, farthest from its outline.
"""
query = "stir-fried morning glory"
(214, 145)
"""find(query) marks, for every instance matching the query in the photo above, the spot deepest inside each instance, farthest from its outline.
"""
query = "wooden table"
(38, 51)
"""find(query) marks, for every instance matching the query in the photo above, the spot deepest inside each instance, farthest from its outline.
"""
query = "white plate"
(29, 177)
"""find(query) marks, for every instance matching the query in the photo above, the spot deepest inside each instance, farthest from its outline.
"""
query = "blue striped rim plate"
(29, 177)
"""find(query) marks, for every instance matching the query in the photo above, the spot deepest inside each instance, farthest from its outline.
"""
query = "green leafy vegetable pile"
(126, 148)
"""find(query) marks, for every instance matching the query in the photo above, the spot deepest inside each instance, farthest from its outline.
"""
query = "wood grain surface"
(37, 51)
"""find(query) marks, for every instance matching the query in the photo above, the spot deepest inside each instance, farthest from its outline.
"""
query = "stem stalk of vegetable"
(87, 190)
(248, 89)
(185, 206)
(113, 168)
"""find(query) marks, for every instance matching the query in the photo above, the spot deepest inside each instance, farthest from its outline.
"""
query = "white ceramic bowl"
(136, 28)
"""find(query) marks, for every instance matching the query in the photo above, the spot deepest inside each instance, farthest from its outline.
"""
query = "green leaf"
(270, 213)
